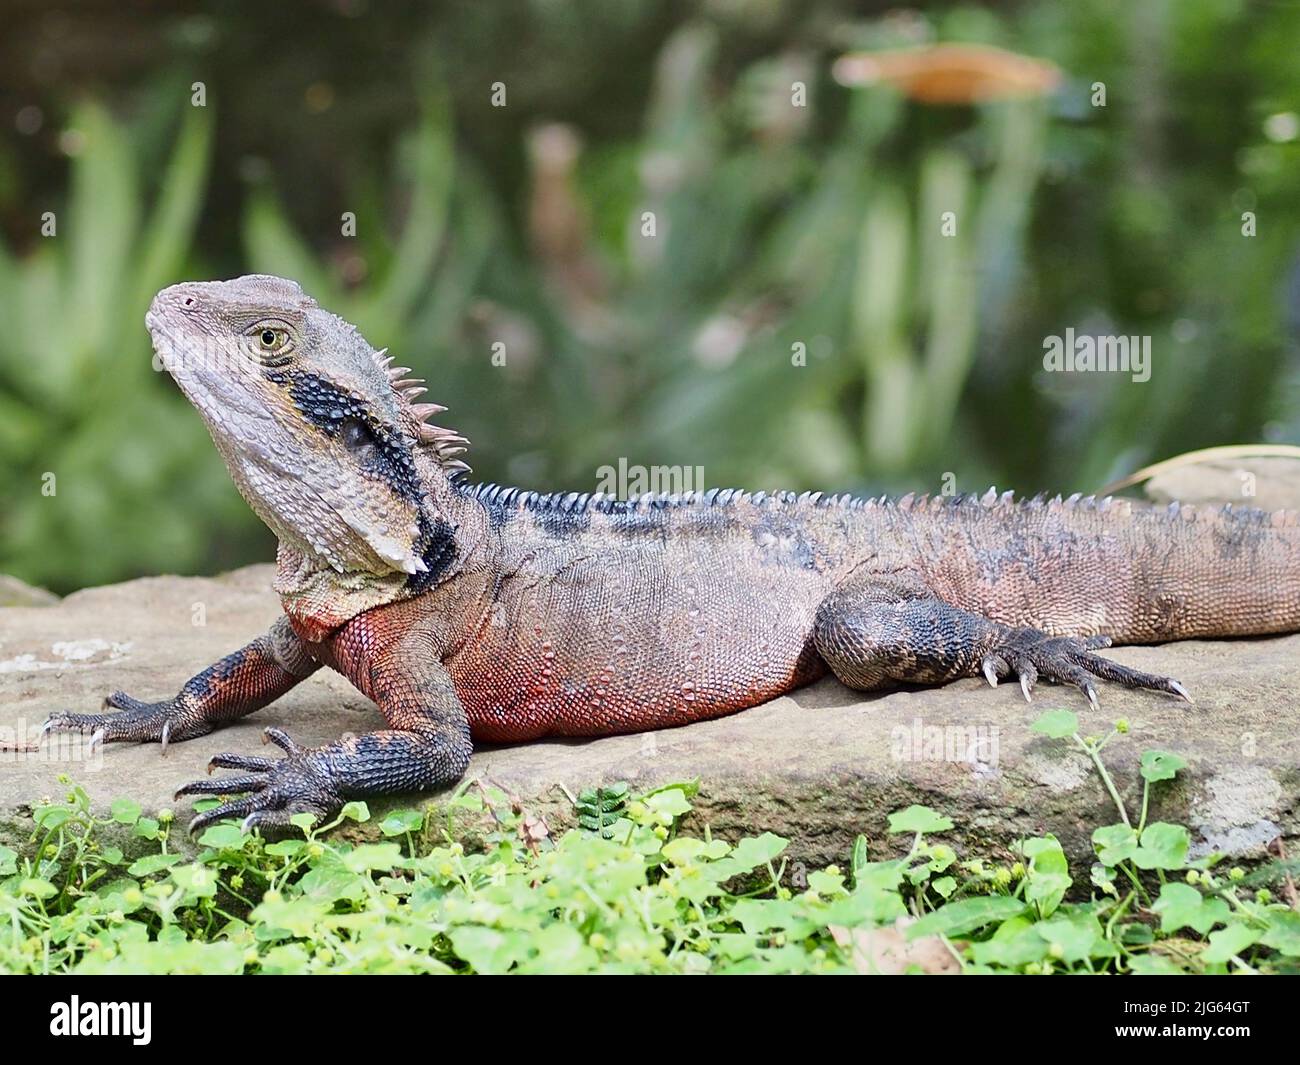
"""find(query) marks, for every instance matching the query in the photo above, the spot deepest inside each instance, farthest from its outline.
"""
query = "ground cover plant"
(627, 889)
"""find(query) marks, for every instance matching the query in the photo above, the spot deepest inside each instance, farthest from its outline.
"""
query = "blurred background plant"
(687, 241)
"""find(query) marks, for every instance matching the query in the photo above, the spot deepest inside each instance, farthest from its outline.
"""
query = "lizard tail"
(1230, 571)
(1114, 567)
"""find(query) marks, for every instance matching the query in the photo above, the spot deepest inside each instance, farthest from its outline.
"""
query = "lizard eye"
(270, 338)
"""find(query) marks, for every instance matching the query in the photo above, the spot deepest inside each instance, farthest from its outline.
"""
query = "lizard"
(480, 613)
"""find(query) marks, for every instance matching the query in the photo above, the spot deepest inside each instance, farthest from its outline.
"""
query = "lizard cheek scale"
(480, 612)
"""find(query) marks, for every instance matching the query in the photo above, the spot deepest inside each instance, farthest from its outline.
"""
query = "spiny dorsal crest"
(445, 444)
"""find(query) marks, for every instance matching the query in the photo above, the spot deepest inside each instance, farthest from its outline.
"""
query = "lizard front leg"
(885, 629)
(240, 683)
(426, 746)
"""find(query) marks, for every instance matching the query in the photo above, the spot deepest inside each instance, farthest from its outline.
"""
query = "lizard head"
(320, 433)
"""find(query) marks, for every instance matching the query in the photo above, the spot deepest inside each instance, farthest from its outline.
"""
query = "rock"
(1269, 482)
(14, 592)
(819, 765)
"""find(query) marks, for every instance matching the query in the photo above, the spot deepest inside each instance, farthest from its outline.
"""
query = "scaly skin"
(471, 612)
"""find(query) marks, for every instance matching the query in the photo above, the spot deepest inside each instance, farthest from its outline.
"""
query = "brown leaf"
(888, 951)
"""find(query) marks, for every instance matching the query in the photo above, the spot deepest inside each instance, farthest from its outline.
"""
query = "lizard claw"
(272, 790)
(989, 673)
(132, 721)
(1070, 660)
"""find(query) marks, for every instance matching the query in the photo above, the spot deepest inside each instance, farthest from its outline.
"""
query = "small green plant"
(625, 891)
(599, 809)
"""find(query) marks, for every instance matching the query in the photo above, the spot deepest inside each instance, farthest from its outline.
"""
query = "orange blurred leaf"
(951, 73)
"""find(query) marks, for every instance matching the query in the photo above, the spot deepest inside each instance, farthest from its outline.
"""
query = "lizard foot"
(135, 722)
(1030, 654)
(273, 790)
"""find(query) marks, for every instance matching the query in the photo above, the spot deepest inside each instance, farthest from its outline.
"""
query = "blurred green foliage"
(100, 463)
(654, 237)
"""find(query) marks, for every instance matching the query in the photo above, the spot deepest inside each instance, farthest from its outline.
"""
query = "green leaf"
(104, 206)
(689, 788)
(297, 917)
(1075, 936)
(750, 853)
(1182, 906)
(8, 860)
(195, 879)
(373, 856)
(1154, 965)
(152, 863)
(433, 154)
(945, 886)
(671, 801)
(332, 881)
(1057, 723)
(1228, 942)
(860, 857)
(148, 828)
(355, 811)
(683, 849)
(51, 816)
(1160, 765)
(762, 915)
(1115, 844)
(224, 836)
(1104, 879)
(1283, 932)
(918, 819)
(1162, 846)
(1047, 889)
(171, 225)
(399, 822)
(1013, 945)
(124, 811)
(489, 950)
(1048, 876)
(826, 884)
(600, 809)
(966, 915)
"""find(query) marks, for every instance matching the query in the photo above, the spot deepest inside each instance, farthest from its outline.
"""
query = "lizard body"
(475, 612)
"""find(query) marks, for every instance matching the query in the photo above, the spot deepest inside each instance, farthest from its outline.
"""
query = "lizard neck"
(454, 539)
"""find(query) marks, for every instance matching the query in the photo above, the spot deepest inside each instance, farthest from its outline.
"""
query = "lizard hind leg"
(880, 632)
(886, 630)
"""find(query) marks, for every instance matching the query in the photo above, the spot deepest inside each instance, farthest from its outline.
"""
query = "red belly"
(508, 700)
